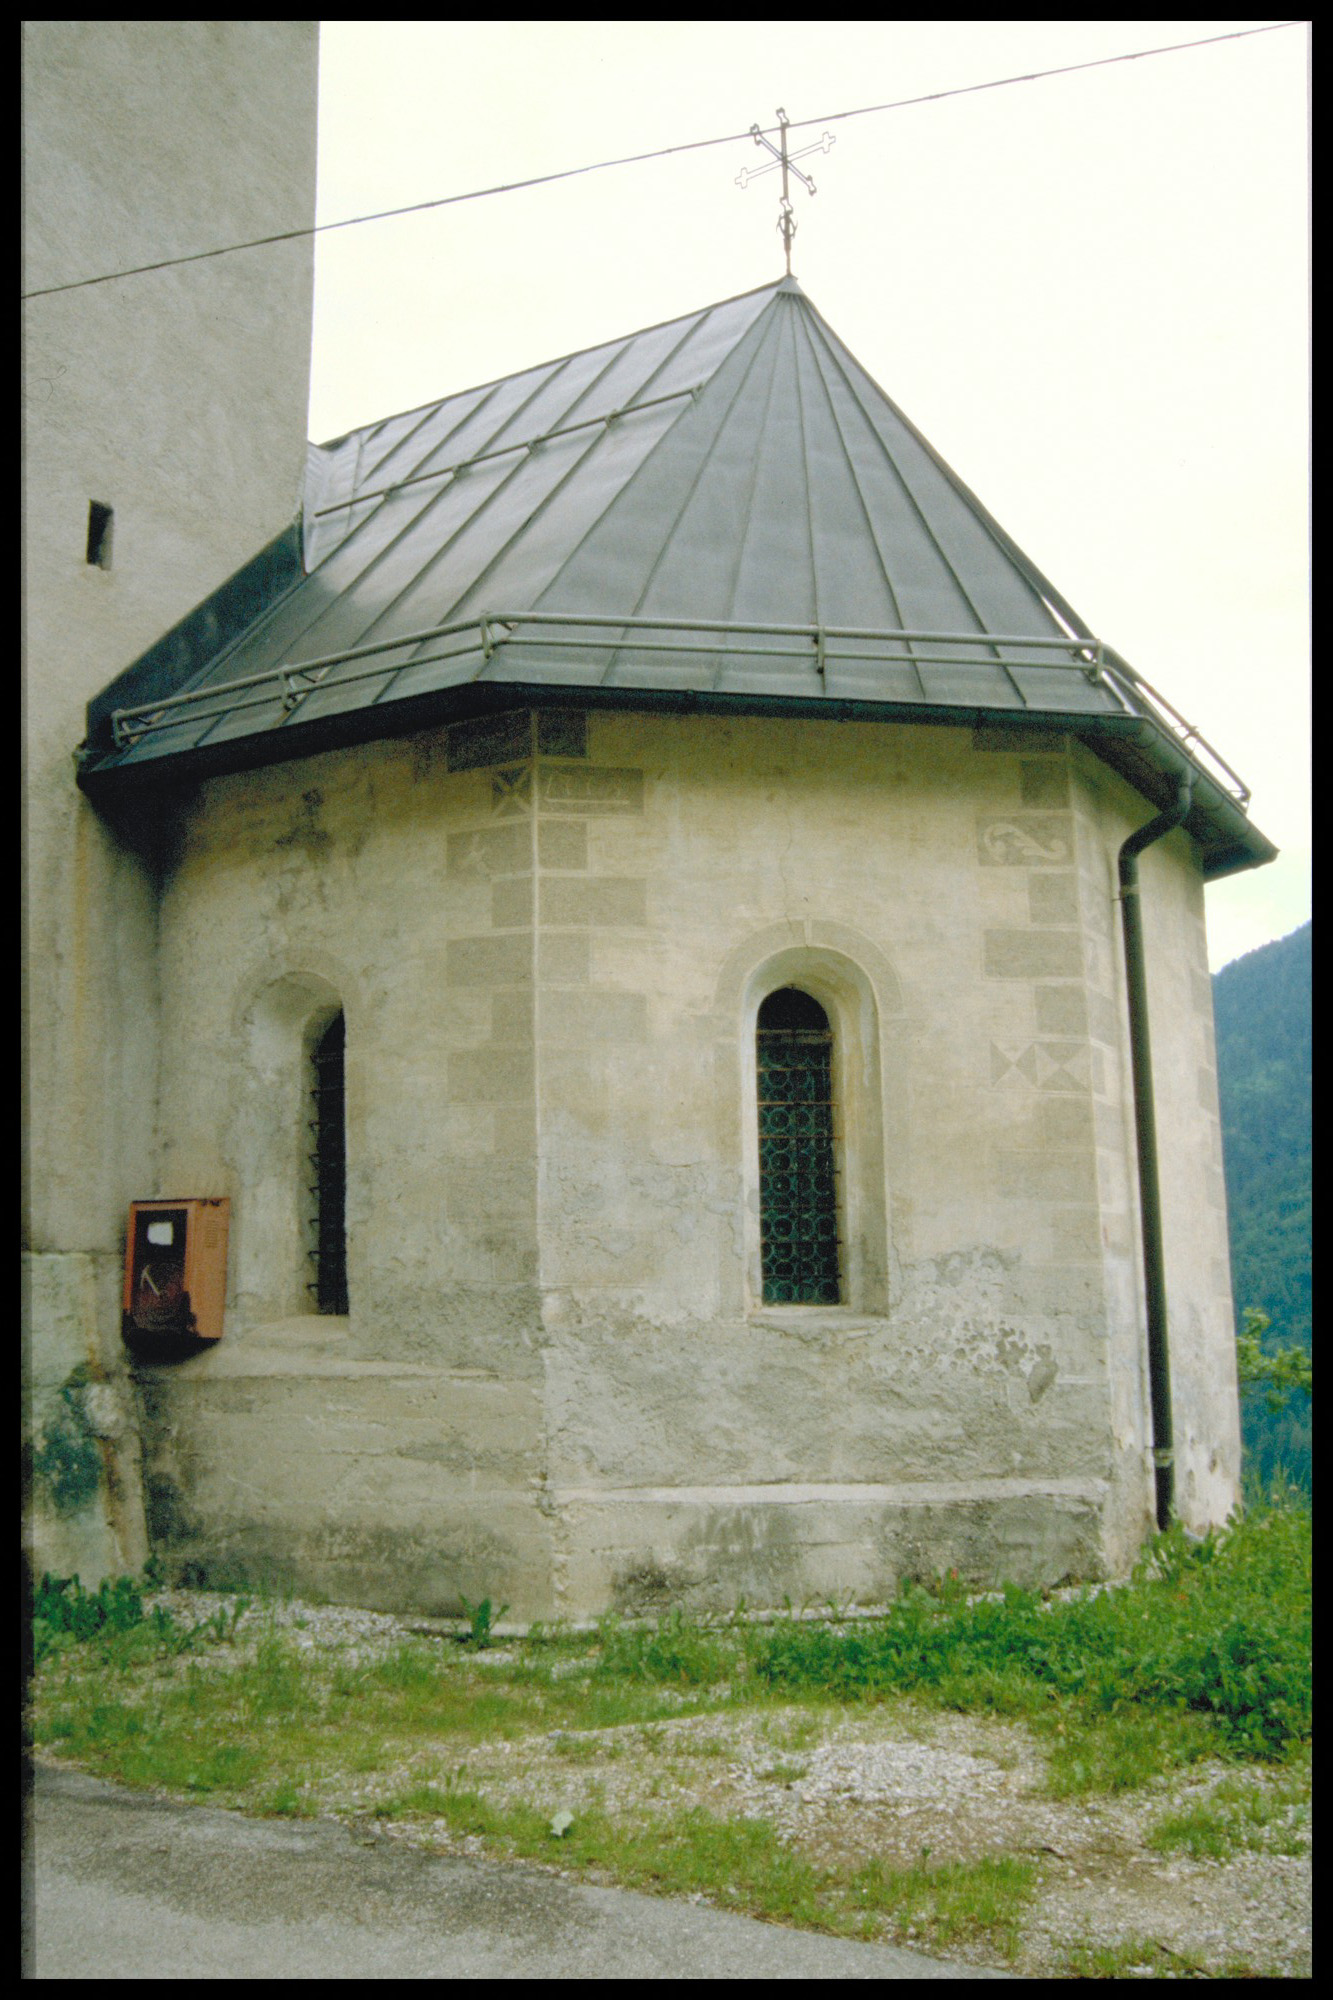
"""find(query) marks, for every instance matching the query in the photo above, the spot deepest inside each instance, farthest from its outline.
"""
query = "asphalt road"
(121, 1885)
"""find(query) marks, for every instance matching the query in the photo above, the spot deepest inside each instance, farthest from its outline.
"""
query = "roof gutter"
(1145, 1121)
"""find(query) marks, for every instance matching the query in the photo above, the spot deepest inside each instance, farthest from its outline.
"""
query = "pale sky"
(1090, 293)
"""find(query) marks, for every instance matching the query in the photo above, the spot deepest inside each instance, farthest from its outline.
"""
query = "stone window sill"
(816, 1320)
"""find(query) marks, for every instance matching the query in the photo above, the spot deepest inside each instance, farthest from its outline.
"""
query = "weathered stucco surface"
(557, 1383)
(176, 398)
(550, 936)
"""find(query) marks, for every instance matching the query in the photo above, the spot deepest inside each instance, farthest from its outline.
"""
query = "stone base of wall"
(413, 1490)
(366, 1483)
(710, 1549)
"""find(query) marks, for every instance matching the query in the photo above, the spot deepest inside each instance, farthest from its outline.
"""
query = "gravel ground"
(895, 1782)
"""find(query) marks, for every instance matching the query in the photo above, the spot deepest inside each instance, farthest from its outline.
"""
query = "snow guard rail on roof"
(826, 648)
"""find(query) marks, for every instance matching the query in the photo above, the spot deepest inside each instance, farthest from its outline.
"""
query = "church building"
(636, 876)
(639, 953)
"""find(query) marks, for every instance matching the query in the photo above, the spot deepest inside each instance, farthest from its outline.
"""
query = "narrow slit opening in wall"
(798, 1196)
(101, 520)
(328, 1162)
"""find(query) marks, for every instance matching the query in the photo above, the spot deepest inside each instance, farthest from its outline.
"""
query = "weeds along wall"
(559, 1380)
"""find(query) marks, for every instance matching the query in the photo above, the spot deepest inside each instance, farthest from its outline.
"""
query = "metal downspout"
(1145, 1120)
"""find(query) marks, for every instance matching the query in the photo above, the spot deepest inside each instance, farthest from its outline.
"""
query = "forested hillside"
(1263, 1012)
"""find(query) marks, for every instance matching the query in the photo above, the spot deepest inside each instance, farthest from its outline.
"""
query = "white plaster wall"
(360, 878)
(555, 1360)
(178, 398)
(946, 874)
(395, 1456)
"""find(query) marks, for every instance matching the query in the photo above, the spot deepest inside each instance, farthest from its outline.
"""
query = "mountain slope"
(1262, 1004)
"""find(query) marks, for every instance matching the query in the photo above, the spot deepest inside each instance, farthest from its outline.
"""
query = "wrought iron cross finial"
(782, 158)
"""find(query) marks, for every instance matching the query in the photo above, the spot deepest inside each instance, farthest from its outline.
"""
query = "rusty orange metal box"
(176, 1268)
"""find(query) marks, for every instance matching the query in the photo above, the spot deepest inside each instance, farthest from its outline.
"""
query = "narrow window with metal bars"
(798, 1192)
(328, 1165)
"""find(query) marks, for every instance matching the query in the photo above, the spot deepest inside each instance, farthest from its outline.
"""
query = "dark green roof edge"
(1141, 751)
(201, 637)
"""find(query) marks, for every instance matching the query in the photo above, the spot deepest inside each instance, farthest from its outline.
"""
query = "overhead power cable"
(638, 159)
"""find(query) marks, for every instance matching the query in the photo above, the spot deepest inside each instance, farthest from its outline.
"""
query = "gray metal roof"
(721, 511)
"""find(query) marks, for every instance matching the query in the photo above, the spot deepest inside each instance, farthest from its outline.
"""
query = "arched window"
(328, 1163)
(798, 1193)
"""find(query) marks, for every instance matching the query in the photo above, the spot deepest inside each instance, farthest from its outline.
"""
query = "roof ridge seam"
(913, 503)
(641, 469)
(809, 492)
(855, 477)
(1036, 580)
(752, 334)
(772, 334)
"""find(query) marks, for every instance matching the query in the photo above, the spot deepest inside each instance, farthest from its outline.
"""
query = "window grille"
(328, 1164)
(798, 1196)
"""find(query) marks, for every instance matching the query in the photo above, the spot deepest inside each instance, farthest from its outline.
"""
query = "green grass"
(1089, 1753)
(1136, 1957)
(1207, 1653)
(110, 1705)
(1148, 1958)
(1204, 1654)
(1236, 1819)
(1216, 1631)
(953, 1902)
(743, 1865)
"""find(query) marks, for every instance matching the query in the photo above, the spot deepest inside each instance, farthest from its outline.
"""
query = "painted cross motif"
(511, 792)
(782, 158)
(1062, 1066)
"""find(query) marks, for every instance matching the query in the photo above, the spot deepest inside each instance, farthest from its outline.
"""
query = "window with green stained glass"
(798, 1194)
